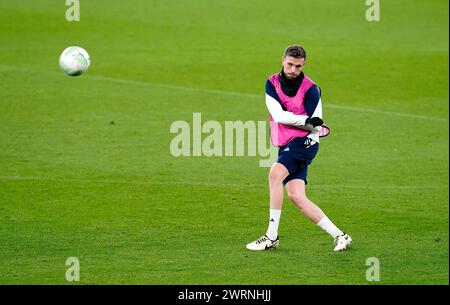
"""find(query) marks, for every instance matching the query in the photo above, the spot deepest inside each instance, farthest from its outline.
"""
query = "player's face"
(292, 67)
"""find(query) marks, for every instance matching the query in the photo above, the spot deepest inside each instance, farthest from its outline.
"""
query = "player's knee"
(298, 199)
(293, 196)
(276, 175)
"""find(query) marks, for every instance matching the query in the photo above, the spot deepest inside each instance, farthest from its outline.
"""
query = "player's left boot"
(342, 242)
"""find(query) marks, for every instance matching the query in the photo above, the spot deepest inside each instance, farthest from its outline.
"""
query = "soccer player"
(296, 124)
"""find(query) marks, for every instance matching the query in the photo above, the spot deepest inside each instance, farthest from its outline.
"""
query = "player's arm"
(313, 107)
(283, 116)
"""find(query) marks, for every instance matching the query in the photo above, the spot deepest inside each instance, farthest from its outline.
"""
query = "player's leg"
(278, 172)
(296, 192)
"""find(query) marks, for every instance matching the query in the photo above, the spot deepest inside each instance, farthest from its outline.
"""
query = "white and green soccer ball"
(74, 61)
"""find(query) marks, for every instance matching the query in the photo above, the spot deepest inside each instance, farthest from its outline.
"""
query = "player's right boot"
(263, 243)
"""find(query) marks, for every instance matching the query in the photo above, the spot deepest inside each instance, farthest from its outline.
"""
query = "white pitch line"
(402, 114)
(229, 93)
(230, 185)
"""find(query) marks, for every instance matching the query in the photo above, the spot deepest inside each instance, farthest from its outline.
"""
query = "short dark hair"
(295, 51)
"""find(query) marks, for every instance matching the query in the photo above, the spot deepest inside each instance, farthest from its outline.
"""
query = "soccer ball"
(74, 61)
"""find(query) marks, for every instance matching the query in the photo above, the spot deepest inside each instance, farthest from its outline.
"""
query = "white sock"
(272, 231)
(328, 226)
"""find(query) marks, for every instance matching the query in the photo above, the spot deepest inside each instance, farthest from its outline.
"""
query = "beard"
(292, 76)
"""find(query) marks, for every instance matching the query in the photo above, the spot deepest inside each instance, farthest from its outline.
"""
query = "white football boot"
(263, 243)
(341, 242)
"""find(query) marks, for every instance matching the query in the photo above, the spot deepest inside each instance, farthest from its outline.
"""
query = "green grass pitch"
(86, 171)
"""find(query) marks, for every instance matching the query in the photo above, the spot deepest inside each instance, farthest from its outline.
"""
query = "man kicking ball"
(296, 125)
